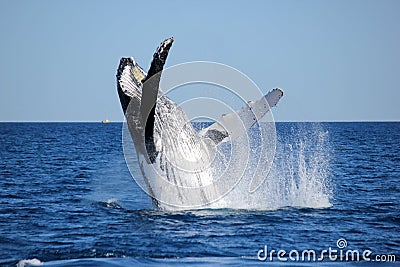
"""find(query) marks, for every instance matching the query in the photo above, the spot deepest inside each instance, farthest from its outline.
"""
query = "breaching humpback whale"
(173, 157)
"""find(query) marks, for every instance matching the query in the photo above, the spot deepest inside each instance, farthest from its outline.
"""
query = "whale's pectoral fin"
(129, 81)
(234, 125)
(149, 95)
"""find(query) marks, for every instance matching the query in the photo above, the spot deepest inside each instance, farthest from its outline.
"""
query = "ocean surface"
(67, 198)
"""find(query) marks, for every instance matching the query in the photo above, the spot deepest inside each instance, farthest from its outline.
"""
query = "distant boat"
(105, 121)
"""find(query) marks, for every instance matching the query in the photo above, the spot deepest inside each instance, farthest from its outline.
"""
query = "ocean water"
(67, 199)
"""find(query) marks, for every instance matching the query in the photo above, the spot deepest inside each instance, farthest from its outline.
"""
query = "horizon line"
(95, 121)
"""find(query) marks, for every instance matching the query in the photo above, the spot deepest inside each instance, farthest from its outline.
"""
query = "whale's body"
(173, 157)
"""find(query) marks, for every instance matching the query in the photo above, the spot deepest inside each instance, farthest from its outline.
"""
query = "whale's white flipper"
(129, 80)
(232, 126)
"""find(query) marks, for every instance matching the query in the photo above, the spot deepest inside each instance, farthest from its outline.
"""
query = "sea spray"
(300, 175)
(255, 176)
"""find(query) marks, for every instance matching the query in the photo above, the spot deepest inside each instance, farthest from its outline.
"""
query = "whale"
(174, 158)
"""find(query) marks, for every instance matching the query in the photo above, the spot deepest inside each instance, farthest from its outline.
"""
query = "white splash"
(31, 262)
(299, 176)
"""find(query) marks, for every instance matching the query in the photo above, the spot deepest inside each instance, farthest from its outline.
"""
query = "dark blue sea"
(67, 198)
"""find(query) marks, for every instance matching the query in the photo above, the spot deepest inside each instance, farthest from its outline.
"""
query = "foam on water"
(31, 262)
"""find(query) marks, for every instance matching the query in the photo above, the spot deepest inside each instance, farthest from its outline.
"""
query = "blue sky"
(336, 60)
